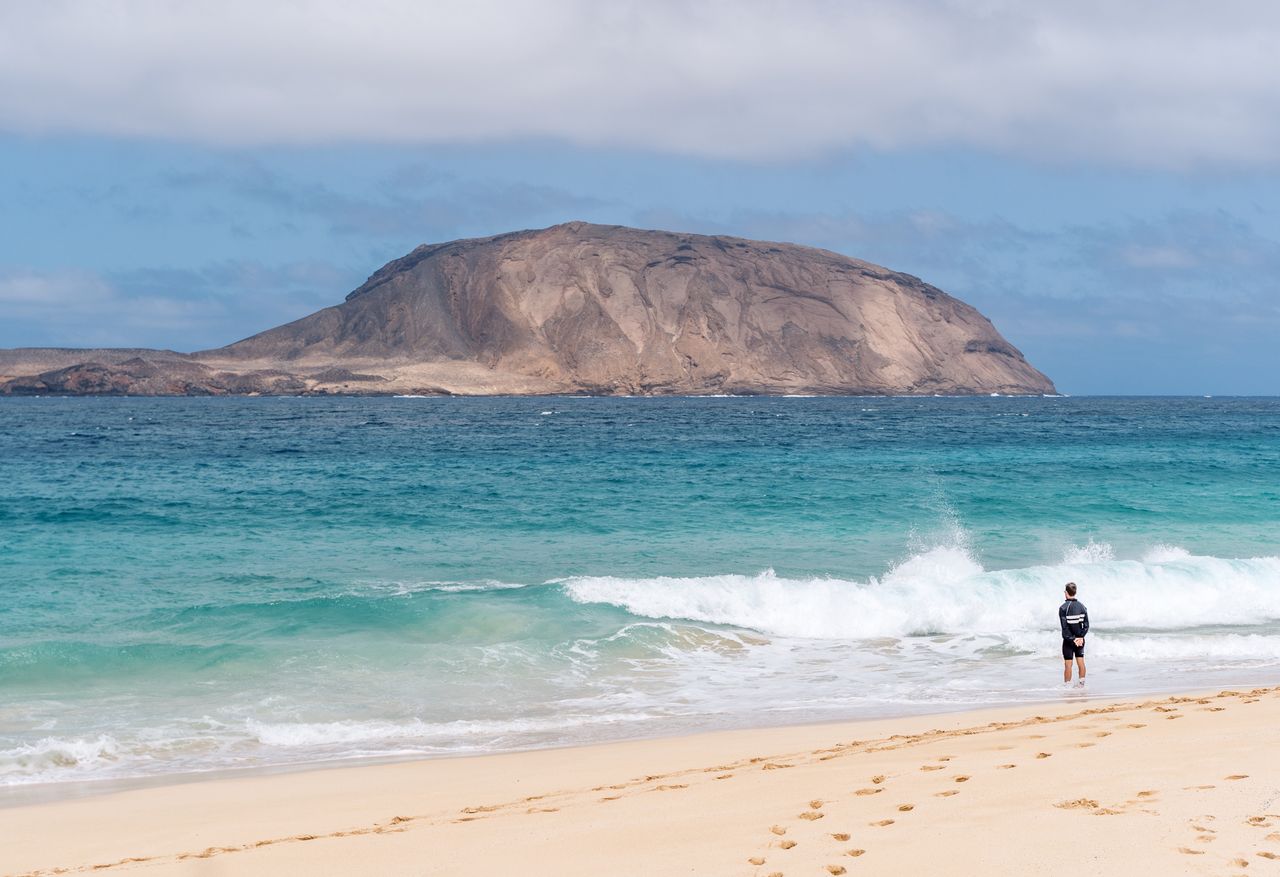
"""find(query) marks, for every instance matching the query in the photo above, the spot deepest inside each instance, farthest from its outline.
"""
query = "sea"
(195, 585)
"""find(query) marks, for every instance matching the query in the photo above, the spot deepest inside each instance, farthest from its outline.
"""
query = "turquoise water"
(201, 584)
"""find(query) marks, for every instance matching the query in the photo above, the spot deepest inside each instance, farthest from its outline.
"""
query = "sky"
(1102, 180)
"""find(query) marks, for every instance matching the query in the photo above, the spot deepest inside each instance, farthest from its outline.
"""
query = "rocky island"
(588, 309)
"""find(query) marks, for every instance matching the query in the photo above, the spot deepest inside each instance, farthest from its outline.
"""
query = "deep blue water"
(205, 583)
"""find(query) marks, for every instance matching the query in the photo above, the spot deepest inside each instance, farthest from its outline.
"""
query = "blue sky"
(1108, 197)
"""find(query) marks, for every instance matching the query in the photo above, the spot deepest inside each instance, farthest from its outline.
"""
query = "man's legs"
(1066, 670)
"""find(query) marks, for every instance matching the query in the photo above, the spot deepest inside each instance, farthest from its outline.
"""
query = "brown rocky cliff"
(600, 309)
(617, 310)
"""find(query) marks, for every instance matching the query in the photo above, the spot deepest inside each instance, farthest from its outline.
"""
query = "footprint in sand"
(787, 844)
(811, 815)
(755, 860)
(1237, 776)
(878, 779)
(1087, 745)
(1044, 755)
(963, 778)
(835, 869)
(1268, 855)
(778, 830)
(933, 767)
(815, 804)
(1137, 725)
(1103, 734)
(947, 794)
(1240, 863)
(882, 823)
(868, 791)
(1186, 851)
(906, 808)
(1077, 804)
(856, 853)
(840, 836)
(1005, 766)
(1258, 821)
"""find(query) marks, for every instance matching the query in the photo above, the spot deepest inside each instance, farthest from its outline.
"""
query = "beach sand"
(1173, 785)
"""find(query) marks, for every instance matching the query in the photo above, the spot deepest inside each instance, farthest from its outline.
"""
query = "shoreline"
(716, 802)
(32, 794)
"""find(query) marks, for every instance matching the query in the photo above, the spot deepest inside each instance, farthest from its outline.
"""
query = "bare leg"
(1080, 667)
(1066, 670)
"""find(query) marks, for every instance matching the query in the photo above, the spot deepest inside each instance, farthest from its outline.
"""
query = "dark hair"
(1071, 589)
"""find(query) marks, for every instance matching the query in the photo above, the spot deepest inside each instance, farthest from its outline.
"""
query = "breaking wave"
(945, 590)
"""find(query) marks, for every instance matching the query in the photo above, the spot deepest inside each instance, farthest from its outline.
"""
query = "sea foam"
(946, 591)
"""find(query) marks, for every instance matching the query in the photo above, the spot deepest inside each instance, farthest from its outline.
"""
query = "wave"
(418, 733)
(53, 758)
(1183, 648)
(403, 588)
(944, 590)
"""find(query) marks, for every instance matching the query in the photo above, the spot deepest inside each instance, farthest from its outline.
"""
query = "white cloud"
(24, 293)
(178, 309)
(77, 308)
(1166, 83)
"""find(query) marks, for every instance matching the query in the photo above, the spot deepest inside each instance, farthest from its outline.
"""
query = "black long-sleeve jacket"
(1074, 618)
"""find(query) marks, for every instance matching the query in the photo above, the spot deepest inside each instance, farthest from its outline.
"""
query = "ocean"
(193, 585)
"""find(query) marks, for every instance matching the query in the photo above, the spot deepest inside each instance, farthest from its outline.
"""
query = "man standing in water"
(1075, 624)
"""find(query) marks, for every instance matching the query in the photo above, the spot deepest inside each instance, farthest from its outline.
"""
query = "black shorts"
(1071, 650)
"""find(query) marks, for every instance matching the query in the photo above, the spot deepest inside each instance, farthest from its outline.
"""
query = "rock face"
(600, 309)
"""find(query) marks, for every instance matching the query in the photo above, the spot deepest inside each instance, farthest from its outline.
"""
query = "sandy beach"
(1186, 784)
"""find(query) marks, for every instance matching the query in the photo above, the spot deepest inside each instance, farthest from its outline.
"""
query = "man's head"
(1071, 590)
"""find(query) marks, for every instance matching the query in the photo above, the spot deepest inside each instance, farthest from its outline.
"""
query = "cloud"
(166, 308)
(82, 309)
(1149, 83)
(411, 199)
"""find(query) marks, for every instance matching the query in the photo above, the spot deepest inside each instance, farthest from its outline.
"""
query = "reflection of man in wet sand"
(1075, 624)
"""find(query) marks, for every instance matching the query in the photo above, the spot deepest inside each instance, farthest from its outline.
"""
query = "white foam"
(944, 590)
(1184, 649)
(451, 735)
(402, 588)
(52, 757)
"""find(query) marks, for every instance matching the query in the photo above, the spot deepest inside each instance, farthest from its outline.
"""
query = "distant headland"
(586, 309)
